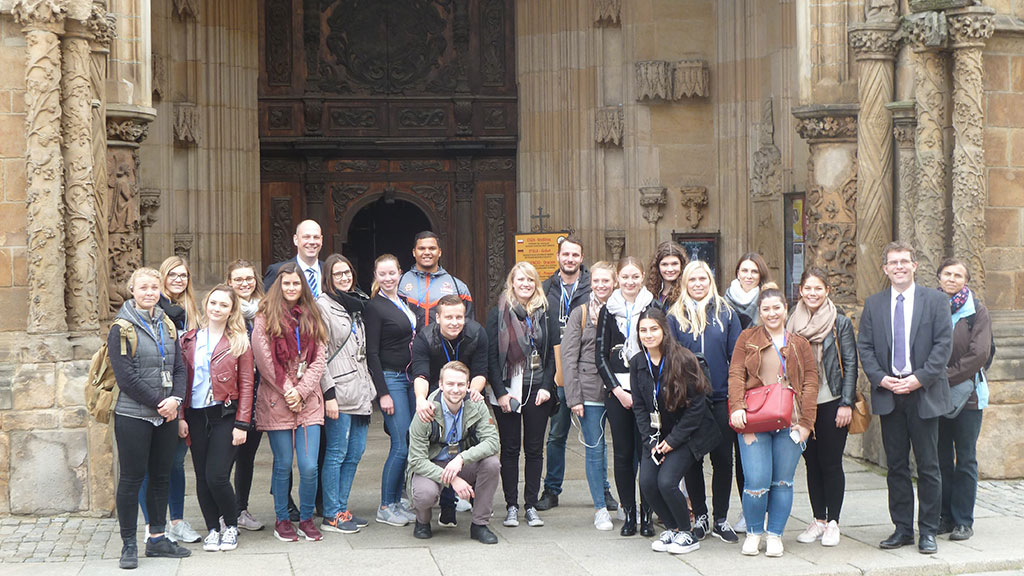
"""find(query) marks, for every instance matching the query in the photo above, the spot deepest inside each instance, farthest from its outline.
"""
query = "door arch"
(381, 225)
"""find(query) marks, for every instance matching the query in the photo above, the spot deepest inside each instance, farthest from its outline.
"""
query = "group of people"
(656, 352)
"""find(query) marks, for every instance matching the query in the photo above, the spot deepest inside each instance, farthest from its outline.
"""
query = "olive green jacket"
(422, 451)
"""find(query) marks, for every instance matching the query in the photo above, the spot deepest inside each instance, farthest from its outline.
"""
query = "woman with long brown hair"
(663, 274)
(751, 274)
(288, 342)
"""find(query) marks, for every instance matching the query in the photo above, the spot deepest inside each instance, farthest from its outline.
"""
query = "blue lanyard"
(298, 343)
(657, 379)
(444, 346)
(160, 341)
(782, 361)
(629, 320)
(567, 297)
(401, 305)
(456, 421)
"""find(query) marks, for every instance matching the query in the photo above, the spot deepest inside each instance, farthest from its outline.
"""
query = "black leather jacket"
(839, 361)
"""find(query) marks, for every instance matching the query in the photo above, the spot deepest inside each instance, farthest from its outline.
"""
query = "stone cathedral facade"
(811, 131)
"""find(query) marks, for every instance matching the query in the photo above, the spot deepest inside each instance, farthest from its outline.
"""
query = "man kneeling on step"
(458, 447)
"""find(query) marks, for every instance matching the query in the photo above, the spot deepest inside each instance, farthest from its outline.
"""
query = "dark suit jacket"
(271, 274)
(931, 342)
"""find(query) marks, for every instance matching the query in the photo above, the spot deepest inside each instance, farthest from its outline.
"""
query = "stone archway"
(383, 225)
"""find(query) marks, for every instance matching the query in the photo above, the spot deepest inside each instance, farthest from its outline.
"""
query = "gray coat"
(353, 388)
(579, 360)
(138, 372)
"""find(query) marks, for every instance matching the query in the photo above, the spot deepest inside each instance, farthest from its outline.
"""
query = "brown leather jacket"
(232, 377)
(801, 368)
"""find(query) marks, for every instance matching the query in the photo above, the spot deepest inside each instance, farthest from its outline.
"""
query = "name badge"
(453, 450)
(534, 360)
(656, 420)
(561, 330)
(361, 353)
(165, 379)
(300, 370)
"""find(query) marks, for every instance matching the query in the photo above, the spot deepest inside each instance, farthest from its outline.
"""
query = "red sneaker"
(308, 529)
(284, 531)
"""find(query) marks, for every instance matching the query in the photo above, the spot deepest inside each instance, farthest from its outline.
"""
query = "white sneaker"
(532, 518)
(183, 532)
(741, 524)
(212, 541)
(831, 535)
(774, 548)
(512, 517)
(663, 541)
(751, 545)
(683, 543)
(813, 532)
(603, 520)
(462, 505)
(229, 539)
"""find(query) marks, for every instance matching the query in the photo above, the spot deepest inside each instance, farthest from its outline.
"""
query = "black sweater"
(428, 352)
(388, 334)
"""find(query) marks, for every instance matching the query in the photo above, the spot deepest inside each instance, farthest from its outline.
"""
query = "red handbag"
(769, 408)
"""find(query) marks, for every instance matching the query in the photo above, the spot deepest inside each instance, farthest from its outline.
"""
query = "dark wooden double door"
(379, 118)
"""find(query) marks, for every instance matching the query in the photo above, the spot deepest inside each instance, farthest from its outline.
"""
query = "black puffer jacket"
(839, 360)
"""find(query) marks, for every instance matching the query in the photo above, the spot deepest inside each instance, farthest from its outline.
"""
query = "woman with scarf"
(958, 435)
(521, 367)
(584, 389)
(289, 345)
(248, 287)
(390, 329)
(348, 392)
(703, 322)
(816, 318)
(616, 343)
(751, 274)
(663, 275)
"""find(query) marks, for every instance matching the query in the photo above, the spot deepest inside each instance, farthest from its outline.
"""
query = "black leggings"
(143, 448)
(626, 447)
(826, 481)
(522, 432)
(245, 465)
(659, 485)
(212, 457)
(721, 464)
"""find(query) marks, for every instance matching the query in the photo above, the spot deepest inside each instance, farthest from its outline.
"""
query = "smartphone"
(657, 458)
(513, 405)
(795, 436)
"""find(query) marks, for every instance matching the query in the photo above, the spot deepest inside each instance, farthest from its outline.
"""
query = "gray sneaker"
(512, 517)
(247, 522)
(391, 515)
(183, 532)
(532, 518)
(406, 511)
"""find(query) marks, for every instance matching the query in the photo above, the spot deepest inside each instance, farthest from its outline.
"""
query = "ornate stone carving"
(690, 79)
(926, 29)
(186, 124)
(437, 196)
(186, 10)
(313, 112)
(766, 168)
(357, 166)
(882, 9)
(80, 246)
(281, 228)
(832, 235)
(279, 166)
(420, 166)
(342, 195)
(970, 27)
(615, 241)
(694, 199)
(495, 118)
(131, 130)
(422, 118)
(315, 192)
(278, 34)
(828, 127)
(608, 123)
(279, 117)
(652, 199)
(932, 207)
(159, 76)
(102, 25)
(353, 117)
(149, 203)
(608, 12)
(495, 164)
(44, 166)
(183, 244)
(494, 211)
(124, 248)
(492, 42)
(904, 194)
(653, 80)
(873, 41)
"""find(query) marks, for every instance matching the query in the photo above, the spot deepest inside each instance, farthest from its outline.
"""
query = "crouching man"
(457, 447)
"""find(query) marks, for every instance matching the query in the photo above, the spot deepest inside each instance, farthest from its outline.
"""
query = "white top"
(908, 316)
(316, 273)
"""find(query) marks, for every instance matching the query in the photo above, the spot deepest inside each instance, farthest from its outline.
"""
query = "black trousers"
(826, 481)
(245, 465)
(522, 432)
(626, 448)
(212, 457)
(903, 429)
(659, 485)
(143, 448)
(721, 474)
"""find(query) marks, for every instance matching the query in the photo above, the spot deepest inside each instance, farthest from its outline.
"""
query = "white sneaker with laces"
(212, 541)
(663, 541)
(774, 548)
(229, 538)
(183, 532)
(532, 518)
(751, 545)
(813, 532)
(831, 535)
(683, 543)
(603, 520)
(511, 517)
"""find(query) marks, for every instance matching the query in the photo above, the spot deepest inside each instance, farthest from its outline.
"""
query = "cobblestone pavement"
(1004, 496)
(58, 539)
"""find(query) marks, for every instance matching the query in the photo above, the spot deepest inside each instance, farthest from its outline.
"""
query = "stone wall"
(13, 212)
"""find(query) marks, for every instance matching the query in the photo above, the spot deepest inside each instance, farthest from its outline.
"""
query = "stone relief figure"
(124, 249)
(122, 199)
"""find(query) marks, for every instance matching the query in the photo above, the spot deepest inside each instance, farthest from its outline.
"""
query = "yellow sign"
(541, 250)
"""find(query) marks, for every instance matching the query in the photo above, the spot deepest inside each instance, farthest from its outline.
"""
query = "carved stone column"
(101, 24)
(904, 194)
(831, 211)
(875, 50)
(969, 29)
(80, 201)
(927, 33)
(766, 194)
(43, 22)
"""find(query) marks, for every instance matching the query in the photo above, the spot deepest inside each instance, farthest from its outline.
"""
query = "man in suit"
(308, 240)
(905, 339)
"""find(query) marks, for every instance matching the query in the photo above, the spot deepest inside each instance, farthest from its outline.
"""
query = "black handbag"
(960, 394)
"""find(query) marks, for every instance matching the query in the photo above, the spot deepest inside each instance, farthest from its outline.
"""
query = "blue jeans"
(397, 424)
(176, 492)
(596, 451)
(305, 441)
(769, 464)
(557, 434)
(346, 442)
(958, 464)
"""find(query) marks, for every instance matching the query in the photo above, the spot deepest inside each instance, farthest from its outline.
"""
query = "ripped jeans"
(769, 464)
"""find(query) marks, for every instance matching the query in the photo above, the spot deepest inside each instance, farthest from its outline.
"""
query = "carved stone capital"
(149, 203)
(615, 240)
(186, 10)
(904, 122)
(608, 123)
(658, 79)
(183, 244)
(608, 12)
(926, 31)
(43, 14)
(128, 125)
(694, 199)
(652, 199)
(970, 27)
(690, 79)
(653, 80)
(874, 40)
(186, 124)
(103, 26)
(830, 122)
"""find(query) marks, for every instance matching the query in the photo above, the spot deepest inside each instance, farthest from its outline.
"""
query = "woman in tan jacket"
(766, 354)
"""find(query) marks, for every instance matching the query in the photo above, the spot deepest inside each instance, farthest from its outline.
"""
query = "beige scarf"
(814, 326)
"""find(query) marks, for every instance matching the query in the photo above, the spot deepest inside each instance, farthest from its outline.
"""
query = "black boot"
(129, 554)
(646, 524)
(629, 526)
(609, 501)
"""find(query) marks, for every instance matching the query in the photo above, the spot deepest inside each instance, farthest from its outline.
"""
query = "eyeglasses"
(343, 274)
(175, 277)
(249, 280)
(899, 263)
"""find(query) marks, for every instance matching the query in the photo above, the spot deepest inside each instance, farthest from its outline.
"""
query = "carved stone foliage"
(422, 118)
(127, 130)
(124, 249)
(694, 199)
(971, 27)
(828, 127)
(342, 196)
(492, 42)
(149, 203)
(278, 33)
(926, 30)
(608, 123)
(615, 241)
(102, 25)
(494, 210)
(832, 235)
(279, 166)
(357, 166)
(186, 10)
(29, 12)
(766, 168)
(353, 117)
(608, 12)
(495, 164)
(183, 244)
(437, 195)
(652, 200)
(690, 79)
(280, 229)
(186, 124)
(873, 42)
(930, 213)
